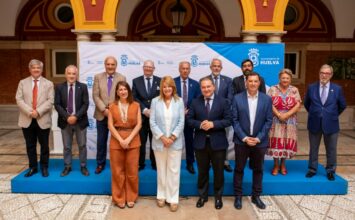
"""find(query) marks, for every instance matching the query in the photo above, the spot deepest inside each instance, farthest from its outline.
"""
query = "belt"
(124, 129)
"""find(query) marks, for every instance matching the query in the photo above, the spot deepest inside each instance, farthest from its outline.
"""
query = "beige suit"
(100, 95)
(45, 99)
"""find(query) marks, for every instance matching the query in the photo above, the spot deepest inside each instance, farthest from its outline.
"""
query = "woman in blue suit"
(167, 120)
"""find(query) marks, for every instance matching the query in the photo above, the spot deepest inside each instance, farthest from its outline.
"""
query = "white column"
(82, 36)
(108, 36)
(249, 37)
(274, 37)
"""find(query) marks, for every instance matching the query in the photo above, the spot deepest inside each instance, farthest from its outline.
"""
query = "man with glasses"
(324, 102)
(144, 89)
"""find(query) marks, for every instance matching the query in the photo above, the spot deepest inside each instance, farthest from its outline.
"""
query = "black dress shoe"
(218, 204)
(238, 202)
(190, 168)
(45, 172)
(310, 174)
(66, 171)
(99, 169)
(257, 201)
(228, 168)
(84, 171)
(331, 176)
(201, 202)
(31, 172)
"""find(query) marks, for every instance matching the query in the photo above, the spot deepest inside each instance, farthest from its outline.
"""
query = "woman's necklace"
(123, 111)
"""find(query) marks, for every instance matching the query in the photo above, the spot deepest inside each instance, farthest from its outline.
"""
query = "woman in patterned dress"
(286, 102)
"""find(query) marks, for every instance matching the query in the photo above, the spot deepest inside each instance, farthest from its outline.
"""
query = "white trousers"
(168, 173)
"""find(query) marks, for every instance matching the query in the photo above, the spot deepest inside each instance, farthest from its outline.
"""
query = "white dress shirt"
(252, 104)
(168, 119)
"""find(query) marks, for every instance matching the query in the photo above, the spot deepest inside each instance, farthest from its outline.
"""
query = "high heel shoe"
(130, 204)
(275, 171)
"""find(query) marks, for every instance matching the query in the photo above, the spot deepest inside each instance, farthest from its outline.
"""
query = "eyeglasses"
(325, 73)
(148, 67)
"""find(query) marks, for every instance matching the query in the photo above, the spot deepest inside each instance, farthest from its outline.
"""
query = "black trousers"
(204, 158)
(32, 134)
(242, 153)
(146, 133)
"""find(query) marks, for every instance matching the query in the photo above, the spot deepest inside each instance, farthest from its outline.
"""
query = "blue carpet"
(294, 183)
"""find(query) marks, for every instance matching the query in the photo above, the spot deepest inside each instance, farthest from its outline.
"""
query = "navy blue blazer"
(225, 89)
(140, 93)
(324, 117)
(239, 85)
(194, 90)
(241, 119)
(81, 104)
(220, 115)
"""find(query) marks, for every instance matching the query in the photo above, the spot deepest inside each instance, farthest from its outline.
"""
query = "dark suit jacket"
(81, 104)
(140, 94)
(241, 119)
(225, 89)
(194, 90)
(324, 117)
(220, 115)
(239, 85)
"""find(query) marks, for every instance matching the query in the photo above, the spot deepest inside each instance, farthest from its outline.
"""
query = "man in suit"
(252, 120)
(239, 84)
(103, 94)
(34, 97)
(71, 102)
(144, 89)
(239, 81)
(188, 89)
(223, 89)
(209, 115)
(324, 102)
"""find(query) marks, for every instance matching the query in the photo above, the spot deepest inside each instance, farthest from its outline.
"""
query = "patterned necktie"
(34, 95)
(184, 93)
(70, 100)
(208, 107)
(323, 96)
(149, 85)
(216, 84)
(109, 85)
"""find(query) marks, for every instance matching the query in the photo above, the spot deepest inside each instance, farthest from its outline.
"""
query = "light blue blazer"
(158, 124)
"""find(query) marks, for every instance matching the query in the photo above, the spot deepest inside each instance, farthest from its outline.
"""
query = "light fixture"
(178, 12)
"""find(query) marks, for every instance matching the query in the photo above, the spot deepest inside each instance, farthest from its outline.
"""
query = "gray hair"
(148, 61)
(35, 62)
(71, 67)
(184, 62)
(287, 71)
(326, 66)
(216, 59)
(206, 78)
(111, 57)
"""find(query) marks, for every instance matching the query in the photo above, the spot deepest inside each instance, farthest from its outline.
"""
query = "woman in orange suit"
(124, 122)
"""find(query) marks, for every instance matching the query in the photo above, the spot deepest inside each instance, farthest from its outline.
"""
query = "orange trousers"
(124, 170)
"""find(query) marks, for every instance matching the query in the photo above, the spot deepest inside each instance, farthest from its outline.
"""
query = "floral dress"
(283, 135)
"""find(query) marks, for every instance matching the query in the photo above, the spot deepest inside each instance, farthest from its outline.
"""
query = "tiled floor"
(36, 206)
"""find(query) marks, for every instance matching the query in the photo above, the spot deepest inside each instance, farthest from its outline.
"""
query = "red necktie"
(34, 95)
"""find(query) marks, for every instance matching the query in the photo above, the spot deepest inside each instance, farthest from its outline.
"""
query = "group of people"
(173, 112)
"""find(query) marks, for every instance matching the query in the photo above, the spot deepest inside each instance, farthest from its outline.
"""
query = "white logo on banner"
(254, 56)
